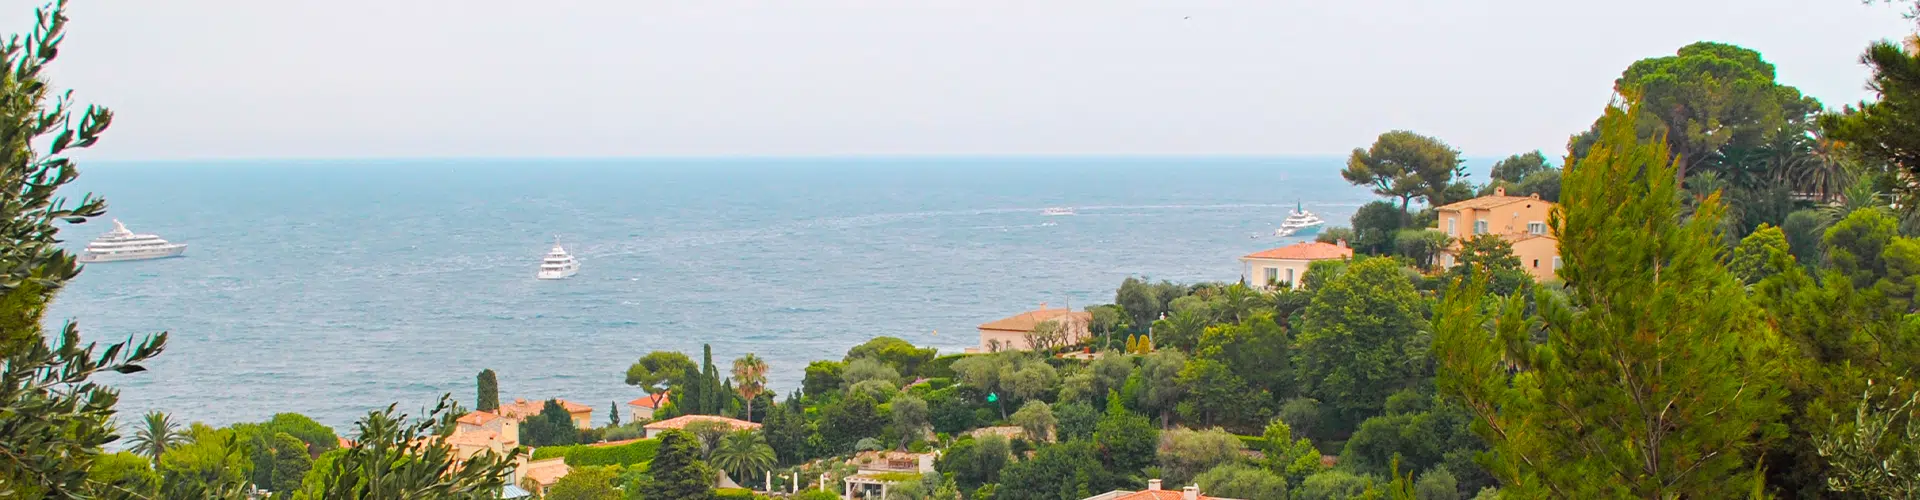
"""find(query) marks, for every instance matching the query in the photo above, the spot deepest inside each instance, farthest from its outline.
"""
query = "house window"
(1537, 228)
(1273, 276)
(1556, 263)
(1450, 231)
(1536, 263)
(1480, 226)
(1290, 276)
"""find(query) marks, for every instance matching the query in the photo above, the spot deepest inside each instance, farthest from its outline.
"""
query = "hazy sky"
(564, 78)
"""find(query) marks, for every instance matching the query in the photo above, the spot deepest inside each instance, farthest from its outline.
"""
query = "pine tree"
(489, 399)
(1659, 378)
(677, 471)
(613, 413)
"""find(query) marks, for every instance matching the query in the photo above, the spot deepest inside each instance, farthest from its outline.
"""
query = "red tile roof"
(1311, 250)
(1024, 322)
(477, 418)
(650, 401)
(520, 409)
(681, 422)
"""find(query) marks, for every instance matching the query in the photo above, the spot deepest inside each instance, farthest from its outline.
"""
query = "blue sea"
(332, 288)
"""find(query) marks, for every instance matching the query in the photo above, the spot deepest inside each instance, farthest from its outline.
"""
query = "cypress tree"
(489, 399)
(613, 413)
(710, 380)
(677, 470)
(1659, 377)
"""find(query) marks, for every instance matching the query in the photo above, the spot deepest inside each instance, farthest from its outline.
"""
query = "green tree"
(1064, 471)
(1334, 235)
(1517, 167)
(975, 462)
(280, 461)
(53, 407)
(1437, 484)
(318, 438)
(1877, 454)
(1334, 484)
(844, 422)
(1161, 388)
(866, 369)
(1495, 255)
(489, 398)
(713, 393)
(1755, 257)
(658, 371)
(1659, 381)
(1076, 420)
(1356, 338)
(1855, 245)
(1804, 230)
(613, 414)
(1036, 419)
(212, 460)
(910, 418)
(1710, 96)
(1107, 319)
(552, 427)
(822, 377)
(677, 471)
(1126, 441)
(395, 457)
(744, 454)
(585, 483)
(1185, 453)
(1422, 246)
(750, 377)
(124, 475)
(1884, 131)
(1292, 458)
(157, 434)
(1216, 395)
(1375, 225)
(1405, 165)
(1245, 482)
(786, 431)
(899, 354)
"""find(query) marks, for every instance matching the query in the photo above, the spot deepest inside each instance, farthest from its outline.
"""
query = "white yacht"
(557, 265)
(1057, 211)
(121, 244)
(1300, 223)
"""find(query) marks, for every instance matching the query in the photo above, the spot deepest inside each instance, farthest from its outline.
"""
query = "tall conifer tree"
(1658, 377)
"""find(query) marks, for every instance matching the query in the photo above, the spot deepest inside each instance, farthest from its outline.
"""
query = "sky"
(312, 79)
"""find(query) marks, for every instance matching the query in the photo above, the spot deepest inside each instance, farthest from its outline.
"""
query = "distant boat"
(1300, 223)
(121, 245)
(1057, 211)
(557, 265)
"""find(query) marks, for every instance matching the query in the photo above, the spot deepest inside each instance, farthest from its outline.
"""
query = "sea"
(335, 288)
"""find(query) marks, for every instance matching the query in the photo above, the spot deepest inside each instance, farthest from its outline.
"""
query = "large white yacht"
(1300, 223)
(557, 265)
(121, 244)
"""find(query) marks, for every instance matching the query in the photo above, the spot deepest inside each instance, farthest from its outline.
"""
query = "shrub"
(733, 494)
(816, 495)
(1253, 442)
(637, 452)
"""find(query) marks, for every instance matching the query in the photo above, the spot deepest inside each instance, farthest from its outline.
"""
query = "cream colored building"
(681, 422)
(521, 410)
(1269, 269)
(1010, 333)
(643, 408)
(1521, 220)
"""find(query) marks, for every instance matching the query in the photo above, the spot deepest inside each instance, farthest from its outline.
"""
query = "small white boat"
(557, 265)
(1057, 211)
(122, 245)
(1300, 223)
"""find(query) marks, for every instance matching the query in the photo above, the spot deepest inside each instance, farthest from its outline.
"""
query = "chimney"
(1536, 196)
(1190, 493)
(1043, 306)
(1500, 191)
(1153, 485)
(1341, 242)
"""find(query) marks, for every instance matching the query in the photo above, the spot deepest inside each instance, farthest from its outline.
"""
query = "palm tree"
(157, 434)
(744, 454)
(749, 379)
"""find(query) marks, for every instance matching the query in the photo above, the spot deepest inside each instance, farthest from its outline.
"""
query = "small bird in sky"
(1186, 18)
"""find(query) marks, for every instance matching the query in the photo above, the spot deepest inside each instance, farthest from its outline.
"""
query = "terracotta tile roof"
(1150, 495)
(1024, 322)
(681, 422)
(546, 472)
(477, 418)
(1311, 250)
(520, 409)
(1498, 198)
(651, 401)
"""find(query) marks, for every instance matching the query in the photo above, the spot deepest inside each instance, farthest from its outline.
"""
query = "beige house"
(876, 470)
(1521, 220)
(681, 422)
(479, 432)
(1270, 269)
(1154, 492)
(521, 409)
(1012, 333)
(643, 408)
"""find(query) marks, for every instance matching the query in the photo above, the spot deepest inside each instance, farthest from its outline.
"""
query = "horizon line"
(726, 158)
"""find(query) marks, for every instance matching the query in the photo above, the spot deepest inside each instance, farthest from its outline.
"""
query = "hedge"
(1253, 442)
(733, 494)
(581, 455)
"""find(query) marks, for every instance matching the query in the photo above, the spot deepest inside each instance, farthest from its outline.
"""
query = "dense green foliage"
(488, 385)
(677, 470)
(634, 453)
(394, 457)
(1405, 165)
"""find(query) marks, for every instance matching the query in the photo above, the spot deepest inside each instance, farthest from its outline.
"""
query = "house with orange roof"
(1521, 220)
(521, 409)
(1287, 266)
(643, 408)
(1153, 492)
(538, 475)
(681, 422)
(1012, 333)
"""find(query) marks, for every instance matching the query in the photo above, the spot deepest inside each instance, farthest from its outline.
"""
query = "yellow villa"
(1011, 333)
(1287, 266)
(521, 410)
(1521, 220)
